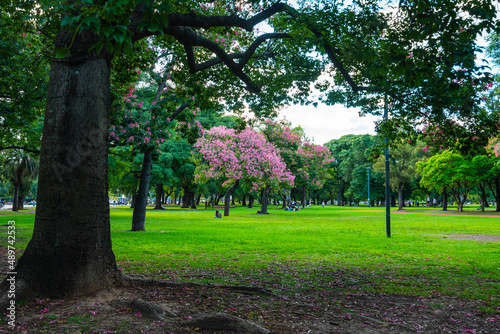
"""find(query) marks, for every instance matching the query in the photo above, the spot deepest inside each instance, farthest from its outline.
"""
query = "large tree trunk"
(159, 196)
(243, 201)
(186, 199)
(227, 197)
(141, 203)
(265, 197)
(70, 250)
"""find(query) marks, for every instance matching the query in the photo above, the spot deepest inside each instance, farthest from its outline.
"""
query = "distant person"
(434, 202)
(217, 214)
(323, 203)
(2, 202)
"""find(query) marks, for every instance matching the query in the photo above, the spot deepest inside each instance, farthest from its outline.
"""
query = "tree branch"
(19, 148)
(329, 50)
(189, 38)
(179, 110)
(198, 21)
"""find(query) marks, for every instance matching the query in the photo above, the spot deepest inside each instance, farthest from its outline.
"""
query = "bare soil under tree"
(342, 305)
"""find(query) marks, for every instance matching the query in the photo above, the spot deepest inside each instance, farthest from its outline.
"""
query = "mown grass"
(306, 246)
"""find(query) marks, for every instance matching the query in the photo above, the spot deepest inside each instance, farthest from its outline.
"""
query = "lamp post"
(368, 170)
(387, 185)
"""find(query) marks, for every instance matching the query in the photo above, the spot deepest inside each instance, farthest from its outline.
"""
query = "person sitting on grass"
(217, 214)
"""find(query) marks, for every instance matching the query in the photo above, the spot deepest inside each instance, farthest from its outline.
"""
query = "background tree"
(403, 171)
(20, 169)
(449, 170)
(313, 167)
(25, 53)
(232, 156)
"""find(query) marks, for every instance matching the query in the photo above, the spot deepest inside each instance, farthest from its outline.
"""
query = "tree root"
(209, 322)
(149, 310)
(224, 322)
(257, 289)
(138, 281)
(144, 282)
(14, 291)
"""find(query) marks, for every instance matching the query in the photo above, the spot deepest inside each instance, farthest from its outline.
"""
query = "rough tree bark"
(227, 197)
(70, 250)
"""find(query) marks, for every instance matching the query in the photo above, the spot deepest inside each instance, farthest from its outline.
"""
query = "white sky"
(325, 123)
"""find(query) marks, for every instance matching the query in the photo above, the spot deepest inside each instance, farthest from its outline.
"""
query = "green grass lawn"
(292, 251)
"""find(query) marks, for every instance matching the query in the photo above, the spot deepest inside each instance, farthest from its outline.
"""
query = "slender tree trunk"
(482, 187)
(159, 196)
(303, 197)
(400, 197)
(192, 200)
(227, 197)
(250, 202)
(283, 205)
(265, 196)
(20, 204)
(139, 215)
(445, 199)
(198, 199)
(340, 194)
(497, 193)
(15, 202)
(70, 251)
(243, 201)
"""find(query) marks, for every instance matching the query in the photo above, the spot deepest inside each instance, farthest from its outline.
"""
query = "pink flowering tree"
(146, 121)
(307, 161)
(313, 161)
(288, 141)
(232, 157)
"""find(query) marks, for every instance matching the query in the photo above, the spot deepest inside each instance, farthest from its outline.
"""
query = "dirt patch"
(476, 237)
(340, 308)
